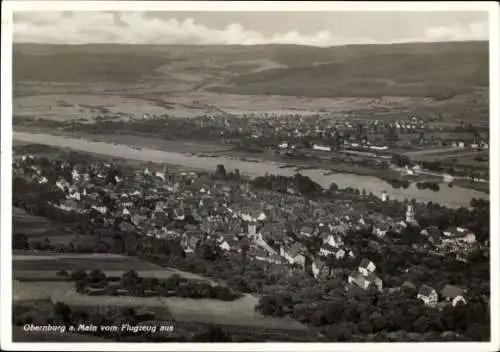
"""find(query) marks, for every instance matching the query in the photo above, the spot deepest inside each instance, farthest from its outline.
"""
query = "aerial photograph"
(235, 176)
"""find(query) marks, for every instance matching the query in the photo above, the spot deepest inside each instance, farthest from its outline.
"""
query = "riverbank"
(214, 149)
(451, 197)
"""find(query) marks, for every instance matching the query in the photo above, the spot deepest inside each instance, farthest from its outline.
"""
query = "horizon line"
(250, 45)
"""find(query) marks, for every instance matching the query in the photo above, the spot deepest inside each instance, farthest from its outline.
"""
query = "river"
(452, 197)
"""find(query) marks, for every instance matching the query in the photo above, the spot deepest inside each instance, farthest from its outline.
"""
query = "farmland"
(35, 278)
(39, 228)
(64, 82)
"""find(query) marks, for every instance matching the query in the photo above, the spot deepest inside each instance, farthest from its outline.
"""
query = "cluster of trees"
(237, 271)
(345, 315)
(395, 183)
(299, 183)
(400, 160)
(137, 286)
(480, 203)
(433, 186)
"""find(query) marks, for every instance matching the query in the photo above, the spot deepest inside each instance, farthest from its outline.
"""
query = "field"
(39, 228)
(238, 312)
(79, 81)
(25, 261)
(32, 272)
(123, 106)
(465, 157)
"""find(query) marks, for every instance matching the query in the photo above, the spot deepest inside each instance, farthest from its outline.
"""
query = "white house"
(293, 255)
(224, 245)
(43, 180)
(327, 250)
(75, 174)
(75, 195)
(428, 295)
(366, 266)
(384, 196)
(380, 231)
(322, 148)
(365, 281)
(332, 241)
(100, 209)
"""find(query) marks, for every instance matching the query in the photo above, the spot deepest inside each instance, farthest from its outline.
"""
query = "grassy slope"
(376, 71)
(431, 69)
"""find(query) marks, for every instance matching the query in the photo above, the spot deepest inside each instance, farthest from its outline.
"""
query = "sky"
(248, 28)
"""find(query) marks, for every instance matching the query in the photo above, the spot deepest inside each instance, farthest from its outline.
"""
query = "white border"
(6, 161)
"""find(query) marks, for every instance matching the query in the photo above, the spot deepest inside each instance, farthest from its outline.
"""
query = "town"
(282, 227)
(270, 176)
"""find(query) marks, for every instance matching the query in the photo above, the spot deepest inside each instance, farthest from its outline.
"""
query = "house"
(306, 231)
(399, 227)
(293, 255)
(283, 145)
(384, 197)
(456, 232)
(319, 268)
(364, 281)
(333, 241)
(62, 184)
(224, 245)
(366, 266)
(374, 280)
(435, 239)
(431, 231)
(457, 237)
(262, 255)
(322, 148)
(340, 254)
(408, 285)
(453, 294)
(69, 205)
(100, 209)
(381, 230)
(189, 243)
(327, 249)
(228, 242)
(428, 295)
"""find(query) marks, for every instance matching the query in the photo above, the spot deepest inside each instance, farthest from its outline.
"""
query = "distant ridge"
(438, 69)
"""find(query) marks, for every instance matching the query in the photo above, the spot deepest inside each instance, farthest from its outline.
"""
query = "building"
(431, 231)
(327, 249)
(319, 268)
(366, 267)
(384, 196)
(453, 294)
(428, 295)
(365, 281)
(410, 214)
(293, 254)
(322, 148)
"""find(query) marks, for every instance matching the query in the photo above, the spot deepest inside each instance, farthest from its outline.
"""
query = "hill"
(439, 70)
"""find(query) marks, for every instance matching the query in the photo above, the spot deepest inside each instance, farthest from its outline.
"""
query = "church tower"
(410, 214)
